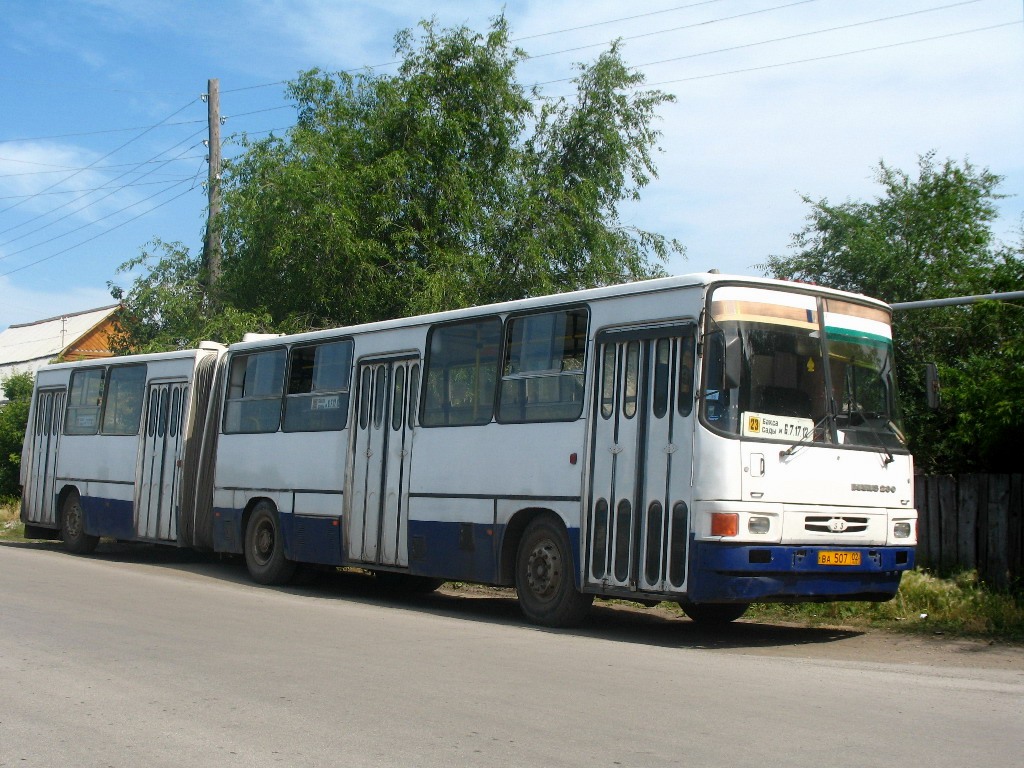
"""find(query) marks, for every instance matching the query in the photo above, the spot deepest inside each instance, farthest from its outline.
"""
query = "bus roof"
(591, 294)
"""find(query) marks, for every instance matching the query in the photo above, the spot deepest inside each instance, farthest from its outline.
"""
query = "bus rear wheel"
(712, 614)
(72, 526)
(544, 576)
(264, 547)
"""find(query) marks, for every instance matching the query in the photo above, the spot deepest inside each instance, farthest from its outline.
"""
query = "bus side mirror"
(931, 385)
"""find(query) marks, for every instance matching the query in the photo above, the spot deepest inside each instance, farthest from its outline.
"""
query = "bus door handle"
(757, 465)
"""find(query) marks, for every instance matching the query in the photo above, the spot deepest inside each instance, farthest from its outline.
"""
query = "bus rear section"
(110, 448)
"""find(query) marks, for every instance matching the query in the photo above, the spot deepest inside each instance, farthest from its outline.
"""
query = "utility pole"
(211, 247)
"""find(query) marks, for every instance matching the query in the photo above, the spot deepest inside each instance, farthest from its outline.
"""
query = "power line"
(836, 55)
(101, 234)
(63, 168)
(111, 152)
(676, 29)
(613, 21)
(162, 124)
(83, 226)
(72, 202)
(98, 189)
(785, 38)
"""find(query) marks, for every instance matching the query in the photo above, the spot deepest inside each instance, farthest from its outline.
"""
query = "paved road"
(144, 657)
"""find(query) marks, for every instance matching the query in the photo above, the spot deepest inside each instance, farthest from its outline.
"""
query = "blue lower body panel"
(108, 517)
(735, 573)
(456, 551)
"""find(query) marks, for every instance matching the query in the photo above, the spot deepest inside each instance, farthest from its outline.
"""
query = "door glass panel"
(662, 352)
(599, 526)
(632, 379)
(379, 391)
(653, 563)
(623, 526)
(398, 400)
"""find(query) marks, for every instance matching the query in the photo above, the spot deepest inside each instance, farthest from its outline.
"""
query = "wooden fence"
(972, 522)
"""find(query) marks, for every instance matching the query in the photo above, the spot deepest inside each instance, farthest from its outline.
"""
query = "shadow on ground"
(608, 620)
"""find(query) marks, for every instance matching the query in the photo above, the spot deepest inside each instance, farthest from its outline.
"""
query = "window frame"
(424, 394)
(71, 406)
(345, 392)
(527, 376)
(111, 372)
(228, 400)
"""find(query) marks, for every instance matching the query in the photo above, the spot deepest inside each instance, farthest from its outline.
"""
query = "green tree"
(929, 237)
(13, 420)
(168, 306)
(439, 187)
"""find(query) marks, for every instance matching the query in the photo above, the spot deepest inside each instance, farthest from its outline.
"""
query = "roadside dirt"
(660, 626)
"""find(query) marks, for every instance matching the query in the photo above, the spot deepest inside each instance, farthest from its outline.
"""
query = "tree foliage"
(929, 237)
(13, 420)
(169, 307)
(439, 187)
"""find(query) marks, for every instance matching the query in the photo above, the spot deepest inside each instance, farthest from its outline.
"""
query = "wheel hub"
(544, 569)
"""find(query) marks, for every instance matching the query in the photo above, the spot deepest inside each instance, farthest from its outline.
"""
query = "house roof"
(28, 345)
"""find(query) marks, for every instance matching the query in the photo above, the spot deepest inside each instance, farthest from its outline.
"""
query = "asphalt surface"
(140, 656)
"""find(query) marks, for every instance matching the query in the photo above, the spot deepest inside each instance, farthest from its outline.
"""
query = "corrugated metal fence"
(972, 522)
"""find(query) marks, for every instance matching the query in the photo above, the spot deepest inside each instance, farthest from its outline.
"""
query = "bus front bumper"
(737, 573)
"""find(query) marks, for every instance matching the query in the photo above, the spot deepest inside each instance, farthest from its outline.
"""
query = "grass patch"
(11, 526)
(959, 606)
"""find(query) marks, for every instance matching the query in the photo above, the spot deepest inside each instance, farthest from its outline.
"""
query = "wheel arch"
(513, 535)
(251, 505)
(62, 496)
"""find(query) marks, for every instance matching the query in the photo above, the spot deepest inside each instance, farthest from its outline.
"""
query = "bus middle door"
(161, 443)
(377, 523)
(638, 521)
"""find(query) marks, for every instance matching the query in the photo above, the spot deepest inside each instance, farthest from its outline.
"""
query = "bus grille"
(835, 524)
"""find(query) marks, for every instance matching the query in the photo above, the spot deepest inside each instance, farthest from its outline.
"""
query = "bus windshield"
(766, 375)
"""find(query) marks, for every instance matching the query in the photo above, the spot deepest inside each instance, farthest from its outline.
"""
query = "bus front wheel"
(72, 526)
(264, 547)
(544, 576)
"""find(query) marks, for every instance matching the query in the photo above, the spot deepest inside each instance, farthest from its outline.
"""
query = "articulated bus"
(703, 439)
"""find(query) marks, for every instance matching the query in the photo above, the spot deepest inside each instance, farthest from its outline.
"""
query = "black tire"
(264, 547)
(406, 583)
(72, 526)
(544, 576)
(712, 614)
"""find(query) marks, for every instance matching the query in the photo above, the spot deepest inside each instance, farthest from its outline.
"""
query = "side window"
(84, 401)
(542, 373)
(126, 389)
(254, 392)
(318, 387)
(461, 373)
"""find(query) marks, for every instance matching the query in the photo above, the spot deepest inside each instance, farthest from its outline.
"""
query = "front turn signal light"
(725, 523)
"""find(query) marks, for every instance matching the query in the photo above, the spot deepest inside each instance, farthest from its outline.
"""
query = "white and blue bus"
(703, 439)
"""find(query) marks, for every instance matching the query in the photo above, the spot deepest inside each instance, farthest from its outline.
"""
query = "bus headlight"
(758, 524)
(901, 530)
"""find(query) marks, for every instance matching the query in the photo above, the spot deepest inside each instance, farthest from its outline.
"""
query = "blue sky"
(101, 124)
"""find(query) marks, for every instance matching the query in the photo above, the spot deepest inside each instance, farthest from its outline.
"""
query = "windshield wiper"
(889, 459)
(809, 436)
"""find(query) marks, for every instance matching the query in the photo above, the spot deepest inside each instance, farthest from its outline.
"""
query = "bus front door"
(638, 518)
(40, 493)
(376, 526)
(158, 485)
